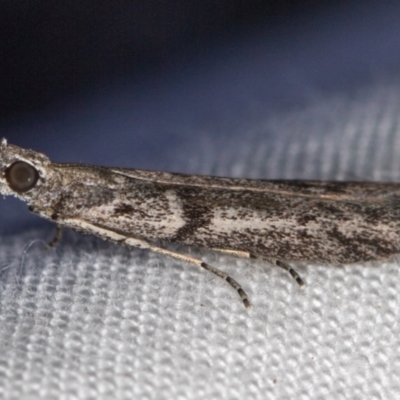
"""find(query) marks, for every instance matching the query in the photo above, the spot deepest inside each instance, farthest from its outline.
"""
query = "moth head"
(21, 170)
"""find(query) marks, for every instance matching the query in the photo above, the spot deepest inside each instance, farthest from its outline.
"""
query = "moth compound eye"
(21, 176)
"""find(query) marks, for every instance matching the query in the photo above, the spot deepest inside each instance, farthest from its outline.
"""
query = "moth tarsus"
(291, 270)
(279, 221)
(56, 239)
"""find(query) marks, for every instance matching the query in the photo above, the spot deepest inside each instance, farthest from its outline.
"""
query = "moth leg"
(237, 253)
(208, 267)
(279, 263)
(56, 239)
(48, 214)
(291, 271)
(130, 241)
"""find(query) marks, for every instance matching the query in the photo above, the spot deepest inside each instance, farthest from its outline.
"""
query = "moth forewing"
(282, 222)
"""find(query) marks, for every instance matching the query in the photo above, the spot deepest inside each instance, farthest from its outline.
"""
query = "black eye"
(21, 176)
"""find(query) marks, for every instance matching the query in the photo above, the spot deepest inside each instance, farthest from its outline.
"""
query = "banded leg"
(208, 267)
(291, 271)
(279, 263)
(107, 234)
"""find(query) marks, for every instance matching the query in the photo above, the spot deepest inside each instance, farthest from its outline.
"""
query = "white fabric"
(92, 320)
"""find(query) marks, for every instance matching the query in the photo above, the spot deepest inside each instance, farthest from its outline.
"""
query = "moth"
(281, 222)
